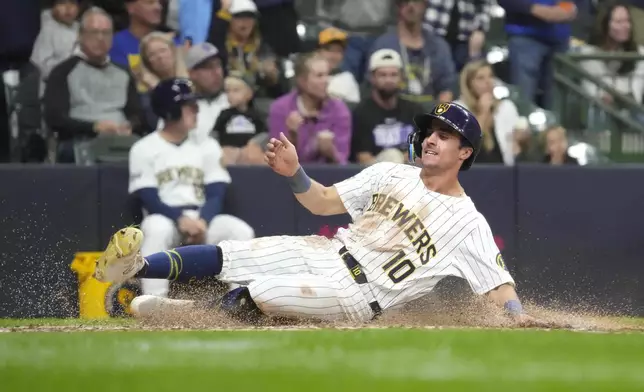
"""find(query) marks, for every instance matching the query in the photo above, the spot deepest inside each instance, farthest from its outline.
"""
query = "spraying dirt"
(450, 306)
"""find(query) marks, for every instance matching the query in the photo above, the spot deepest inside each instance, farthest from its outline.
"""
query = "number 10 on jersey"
(399, 268)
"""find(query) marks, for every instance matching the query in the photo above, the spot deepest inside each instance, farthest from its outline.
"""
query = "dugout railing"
(617, 129)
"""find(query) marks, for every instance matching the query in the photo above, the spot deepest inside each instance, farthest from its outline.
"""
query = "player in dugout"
(180, 181)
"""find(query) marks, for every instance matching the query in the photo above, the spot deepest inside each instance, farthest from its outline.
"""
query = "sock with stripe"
(183, 263)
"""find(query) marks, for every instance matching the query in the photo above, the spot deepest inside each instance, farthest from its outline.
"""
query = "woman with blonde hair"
(160, 59)
(498, 118)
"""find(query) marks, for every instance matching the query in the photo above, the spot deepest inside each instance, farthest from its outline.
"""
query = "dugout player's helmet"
(169, 96)
(457, 118)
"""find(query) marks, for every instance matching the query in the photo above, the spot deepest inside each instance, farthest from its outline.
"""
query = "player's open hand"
(527, 321)
(281, 156)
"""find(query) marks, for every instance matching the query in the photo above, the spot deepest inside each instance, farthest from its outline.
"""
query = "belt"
(355, 269)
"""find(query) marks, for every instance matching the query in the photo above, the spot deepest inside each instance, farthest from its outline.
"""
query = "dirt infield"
(429, 313)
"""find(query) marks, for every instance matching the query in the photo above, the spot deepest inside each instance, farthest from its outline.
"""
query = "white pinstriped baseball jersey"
(407, 238)
(179, 172)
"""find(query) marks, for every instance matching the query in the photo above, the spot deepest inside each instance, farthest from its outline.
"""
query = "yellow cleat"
(122, 258)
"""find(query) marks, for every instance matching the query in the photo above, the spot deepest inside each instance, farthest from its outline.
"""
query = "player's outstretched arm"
(505, 296)
(315, 197)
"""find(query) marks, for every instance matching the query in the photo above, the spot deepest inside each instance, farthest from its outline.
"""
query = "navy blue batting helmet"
(454, 116)
(169, 96)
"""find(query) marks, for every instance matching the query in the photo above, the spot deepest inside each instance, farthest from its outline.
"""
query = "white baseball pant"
(160, 233)
(296, 276)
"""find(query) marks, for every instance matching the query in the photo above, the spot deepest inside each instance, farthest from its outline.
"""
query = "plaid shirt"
(475, 15)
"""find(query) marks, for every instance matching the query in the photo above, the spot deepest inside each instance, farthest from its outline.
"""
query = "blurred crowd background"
(552, 82)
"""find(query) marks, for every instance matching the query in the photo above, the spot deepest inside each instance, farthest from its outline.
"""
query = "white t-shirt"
(344, 86)
(209, 111)
(179, 172)
(407, 238)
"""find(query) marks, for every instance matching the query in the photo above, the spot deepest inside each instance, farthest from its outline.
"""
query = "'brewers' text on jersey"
(179, 171)
(407, 238)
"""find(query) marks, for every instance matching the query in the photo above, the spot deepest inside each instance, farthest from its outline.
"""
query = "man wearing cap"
(206, 72)
(180, 181)
(319, 126)
(429, 75)
(342, 84)
(383, 121)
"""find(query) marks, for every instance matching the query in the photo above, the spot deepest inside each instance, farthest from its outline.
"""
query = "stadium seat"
(105, 148)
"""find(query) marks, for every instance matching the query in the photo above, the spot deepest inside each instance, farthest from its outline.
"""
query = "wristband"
(300, 182)
(513, 307)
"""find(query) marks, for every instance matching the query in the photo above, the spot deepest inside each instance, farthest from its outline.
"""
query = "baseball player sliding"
(411, 228)
(180, 182)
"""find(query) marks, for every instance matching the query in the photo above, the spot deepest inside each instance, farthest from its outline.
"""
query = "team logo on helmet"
(441, 108)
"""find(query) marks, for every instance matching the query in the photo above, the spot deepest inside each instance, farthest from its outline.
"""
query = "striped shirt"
(474, 15)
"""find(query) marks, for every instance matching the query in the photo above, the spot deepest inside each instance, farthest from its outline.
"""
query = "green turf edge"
(322, 361)
(40, 322)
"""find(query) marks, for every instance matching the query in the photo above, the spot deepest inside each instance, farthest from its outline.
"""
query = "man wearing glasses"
(88, 95)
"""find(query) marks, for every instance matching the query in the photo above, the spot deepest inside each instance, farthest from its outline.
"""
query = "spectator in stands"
(537, 29)
(319, 126)
(497, 117)
(382, 122)
(613, 32)
(248, 53)
(195, 19)
(428, 70)
(365, 19)
(207, 74)
(145, 17)
(238, 124)
(160, 60)
(342, 84)
(524, 146)
(87, 95)
(557, 147)
(58, 36)
(278, 23)
(463, 24)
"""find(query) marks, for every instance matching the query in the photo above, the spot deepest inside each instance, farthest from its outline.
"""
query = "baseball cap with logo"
(384, 58)
(239, 7)
(198, 54)
(332, 34)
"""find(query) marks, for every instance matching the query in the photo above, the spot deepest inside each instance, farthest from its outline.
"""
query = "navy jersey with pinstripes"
(407, 238)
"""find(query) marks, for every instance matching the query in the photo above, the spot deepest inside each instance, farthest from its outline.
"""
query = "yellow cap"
(332, 34)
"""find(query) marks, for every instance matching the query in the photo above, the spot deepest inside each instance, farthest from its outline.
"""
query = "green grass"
(388, 360)
(38, 322)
